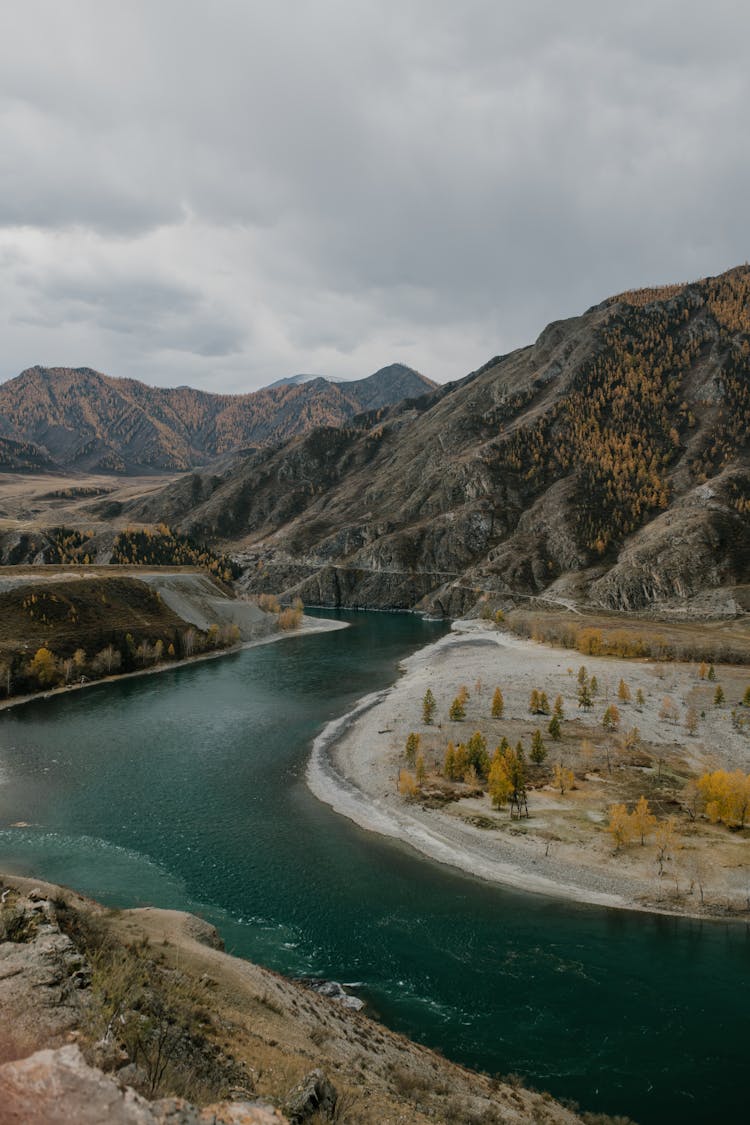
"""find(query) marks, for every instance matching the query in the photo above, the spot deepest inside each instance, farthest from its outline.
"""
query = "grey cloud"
(230, 193)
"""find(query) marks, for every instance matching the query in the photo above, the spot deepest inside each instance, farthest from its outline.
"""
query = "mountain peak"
(78, 418)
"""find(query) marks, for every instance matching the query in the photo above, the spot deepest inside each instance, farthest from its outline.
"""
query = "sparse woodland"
(578, 773)
(626, 418)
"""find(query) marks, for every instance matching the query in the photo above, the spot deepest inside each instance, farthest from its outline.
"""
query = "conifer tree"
(554, 729)
(538, 749)
(411, 748)
(499, 784)
(498, 704)
(611, 718)
(457, 710)
(476, 748)
(428, 707)
(559, 709)
(623, 692)
(719, 695)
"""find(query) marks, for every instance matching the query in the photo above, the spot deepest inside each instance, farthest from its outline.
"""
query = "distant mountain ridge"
(78, 418)
(608, 461)
(298, 380)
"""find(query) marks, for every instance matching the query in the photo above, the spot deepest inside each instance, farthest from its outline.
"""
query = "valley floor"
(564, 848)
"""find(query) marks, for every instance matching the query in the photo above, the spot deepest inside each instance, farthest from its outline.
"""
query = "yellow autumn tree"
(620, 826)
(643, 819)
(499, 783)
(407, 785)
(563, 778)
(43, 667)
(727, 797)
(611, 718)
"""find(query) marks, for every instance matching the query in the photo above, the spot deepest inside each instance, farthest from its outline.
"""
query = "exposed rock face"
(56, 1087)
(43, 979)
(313, 1095)
(81, 419)
(697, 545)
(616, 445)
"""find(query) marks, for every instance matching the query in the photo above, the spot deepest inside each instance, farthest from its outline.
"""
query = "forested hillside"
(610, 459)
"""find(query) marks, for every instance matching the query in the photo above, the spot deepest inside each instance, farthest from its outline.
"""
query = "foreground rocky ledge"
(138, 1017)
(59, 1086)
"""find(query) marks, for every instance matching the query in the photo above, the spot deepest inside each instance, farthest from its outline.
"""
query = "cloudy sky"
(222, 193)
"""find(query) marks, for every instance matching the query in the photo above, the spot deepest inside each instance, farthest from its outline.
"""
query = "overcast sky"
(224, 192)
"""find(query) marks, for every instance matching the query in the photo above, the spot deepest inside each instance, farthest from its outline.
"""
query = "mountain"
(610, 459)
(81, 419)
(23, 456)
(297, 380)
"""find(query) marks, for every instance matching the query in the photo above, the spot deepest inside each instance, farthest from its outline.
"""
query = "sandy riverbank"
(564, 849)
(309, 626)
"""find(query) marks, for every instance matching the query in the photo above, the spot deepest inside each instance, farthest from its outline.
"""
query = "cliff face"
(78, 418)
(610, 457)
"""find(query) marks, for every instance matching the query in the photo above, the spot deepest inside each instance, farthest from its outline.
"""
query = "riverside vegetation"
(597, 765)
(89, 625)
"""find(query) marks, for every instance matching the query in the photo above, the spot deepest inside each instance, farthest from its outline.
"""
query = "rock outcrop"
(56, 1087)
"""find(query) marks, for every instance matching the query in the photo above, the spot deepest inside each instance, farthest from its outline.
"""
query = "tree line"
(46, 669)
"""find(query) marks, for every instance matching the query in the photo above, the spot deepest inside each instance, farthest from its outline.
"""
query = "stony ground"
(563, 847)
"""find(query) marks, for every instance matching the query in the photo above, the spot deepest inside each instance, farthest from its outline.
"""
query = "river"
(186, 789)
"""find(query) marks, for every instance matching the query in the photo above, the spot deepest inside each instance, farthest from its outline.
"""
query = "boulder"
(314, 1094)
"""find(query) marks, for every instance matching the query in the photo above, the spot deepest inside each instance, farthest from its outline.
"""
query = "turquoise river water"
(186, 789)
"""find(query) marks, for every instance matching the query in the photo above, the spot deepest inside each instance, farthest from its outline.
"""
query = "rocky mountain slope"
(610, 460)
(138, 1017)
(81, 419)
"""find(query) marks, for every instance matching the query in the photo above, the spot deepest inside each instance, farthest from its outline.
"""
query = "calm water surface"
(186, 790)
